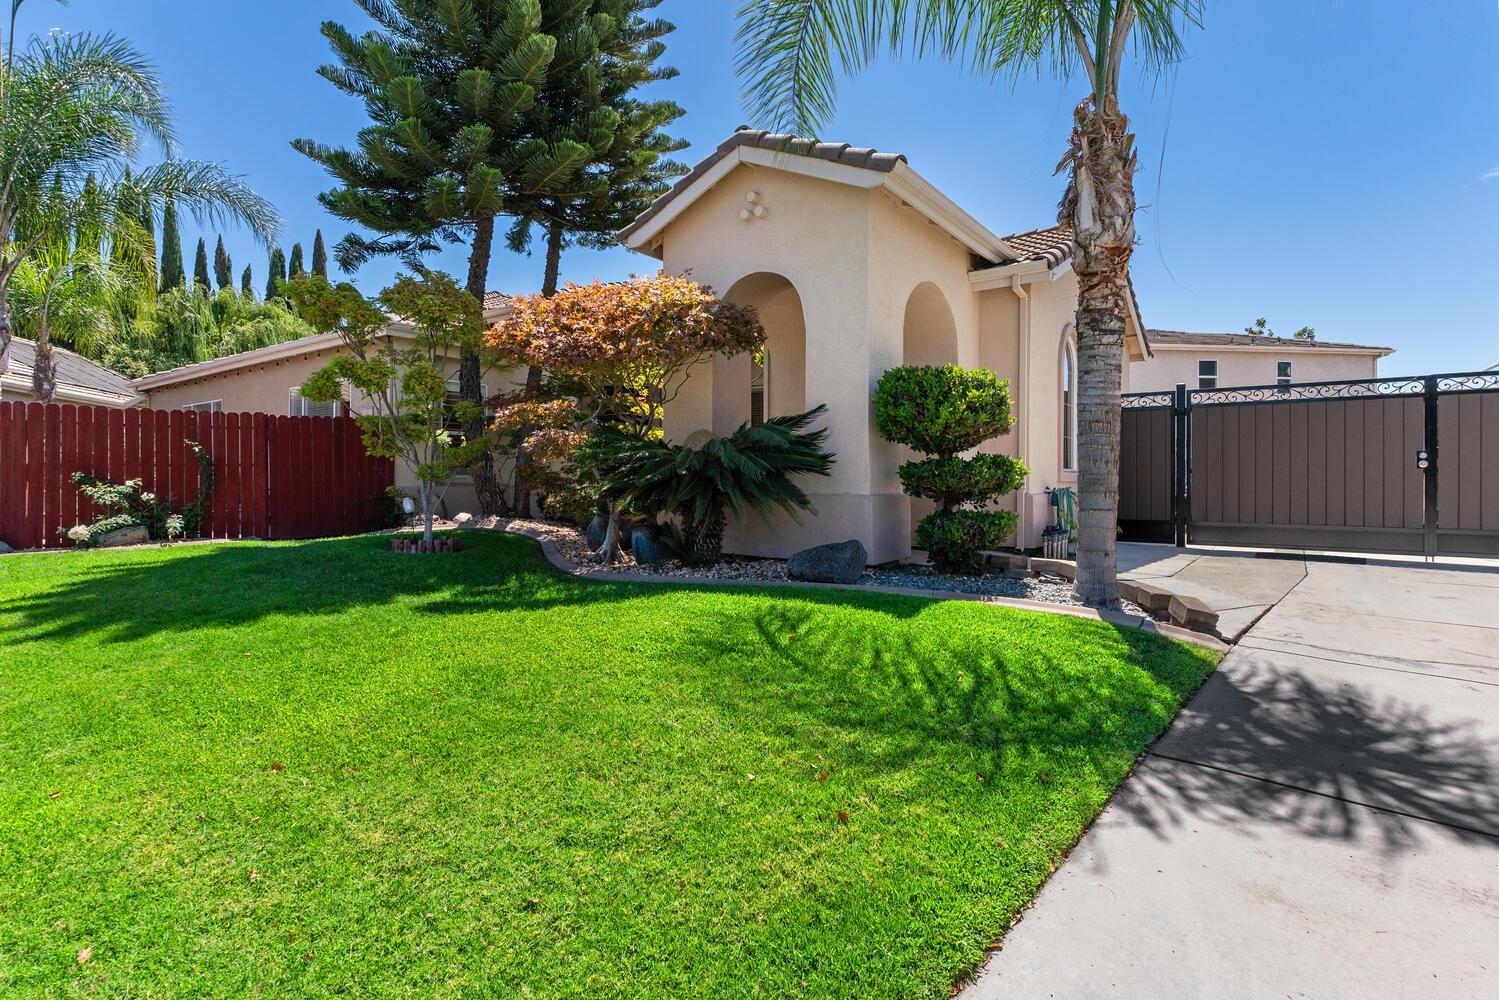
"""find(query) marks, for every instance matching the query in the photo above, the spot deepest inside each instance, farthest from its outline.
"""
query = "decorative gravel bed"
(1049, 589)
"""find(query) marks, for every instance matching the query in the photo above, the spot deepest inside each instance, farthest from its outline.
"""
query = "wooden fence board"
(282, 477)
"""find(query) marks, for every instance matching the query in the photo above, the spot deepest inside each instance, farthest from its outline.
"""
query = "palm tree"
(790, 52)
(76, 106)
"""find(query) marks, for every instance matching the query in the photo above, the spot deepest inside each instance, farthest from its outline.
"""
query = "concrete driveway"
(1322, 820)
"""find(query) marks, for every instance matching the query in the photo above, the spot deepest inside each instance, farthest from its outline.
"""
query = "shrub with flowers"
(130, 504)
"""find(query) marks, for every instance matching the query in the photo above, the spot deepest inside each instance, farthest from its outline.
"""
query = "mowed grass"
(323, 769)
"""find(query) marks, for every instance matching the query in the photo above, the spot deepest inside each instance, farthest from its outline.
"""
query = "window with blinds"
(209, 406)
(757, 388)
(298, 406)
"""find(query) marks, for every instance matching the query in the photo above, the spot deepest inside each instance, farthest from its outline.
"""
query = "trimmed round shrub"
(941, 411)
(951, 481)
(956, 539)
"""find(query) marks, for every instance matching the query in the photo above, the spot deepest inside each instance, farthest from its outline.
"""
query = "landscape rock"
(596, 530)
(646, 546)
(5, 548)
(465, 520)
(838, 562)
(131, 534)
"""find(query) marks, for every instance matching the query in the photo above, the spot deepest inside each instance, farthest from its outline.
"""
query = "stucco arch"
(779, 304)
(930, 333)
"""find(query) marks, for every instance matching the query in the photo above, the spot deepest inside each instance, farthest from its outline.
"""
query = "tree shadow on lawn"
(1322, 751)
(1017, 688)
(129, 595)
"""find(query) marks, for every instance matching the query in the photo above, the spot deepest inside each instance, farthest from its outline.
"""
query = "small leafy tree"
(617, 354)
(405, 386)
(751, 470)
(943, 412)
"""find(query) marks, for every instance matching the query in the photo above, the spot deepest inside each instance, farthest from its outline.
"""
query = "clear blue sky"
(1333, 163)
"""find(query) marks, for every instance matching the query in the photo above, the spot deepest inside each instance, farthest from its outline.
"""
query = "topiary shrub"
(942, 412)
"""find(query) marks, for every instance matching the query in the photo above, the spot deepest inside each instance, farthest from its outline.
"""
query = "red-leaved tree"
(613, 353)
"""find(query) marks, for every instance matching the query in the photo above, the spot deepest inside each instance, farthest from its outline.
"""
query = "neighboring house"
(858, 264)
(268, 380)
(79, 380)
(1223, 360)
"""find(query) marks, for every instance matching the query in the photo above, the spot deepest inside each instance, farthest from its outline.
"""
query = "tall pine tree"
(223, 267)
(200, 267)
(319, 256)
(447, 88)
(247, 283)
(274, 284)
(172, 273)
(607, 51)
(295, 267)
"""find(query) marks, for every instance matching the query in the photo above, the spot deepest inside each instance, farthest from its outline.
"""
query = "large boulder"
(838, 562)
(646, 547)
(465, 520)
(131, 534)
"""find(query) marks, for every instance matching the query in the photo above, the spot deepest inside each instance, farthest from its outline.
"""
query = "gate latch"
(1422, 460)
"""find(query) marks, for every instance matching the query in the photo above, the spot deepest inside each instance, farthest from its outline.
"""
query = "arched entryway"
(930, 337)
(774, 382)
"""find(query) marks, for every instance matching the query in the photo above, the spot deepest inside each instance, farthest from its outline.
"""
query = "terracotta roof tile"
(835, 152)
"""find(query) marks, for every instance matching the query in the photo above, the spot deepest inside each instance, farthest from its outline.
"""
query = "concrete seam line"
(1325, 795)
(1375, 666)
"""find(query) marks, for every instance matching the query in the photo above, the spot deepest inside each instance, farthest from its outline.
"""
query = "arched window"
(757, 387)
(1069, 406)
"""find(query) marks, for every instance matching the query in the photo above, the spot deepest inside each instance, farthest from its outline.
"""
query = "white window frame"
(1069, 406)
(1284, 381)
(1207, 380)
(298, 405)
(207, 406)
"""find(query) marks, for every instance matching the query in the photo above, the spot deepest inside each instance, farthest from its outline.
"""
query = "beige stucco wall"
(266, 388)
(1249, 366)
(872, 278)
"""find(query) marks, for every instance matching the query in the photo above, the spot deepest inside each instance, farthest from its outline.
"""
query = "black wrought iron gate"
(1406, 465)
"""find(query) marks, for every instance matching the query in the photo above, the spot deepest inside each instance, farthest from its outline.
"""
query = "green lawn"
(320, 768)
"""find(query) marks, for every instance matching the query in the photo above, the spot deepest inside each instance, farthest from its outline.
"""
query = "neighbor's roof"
(275, 352)
(1167, 338)
(72, 370)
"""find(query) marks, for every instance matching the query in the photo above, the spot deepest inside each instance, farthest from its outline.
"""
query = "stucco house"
(1223, 360)
(267, 380)
(857, 264)
(79, 380)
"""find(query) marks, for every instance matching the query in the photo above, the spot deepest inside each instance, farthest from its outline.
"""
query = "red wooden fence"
(274, 477)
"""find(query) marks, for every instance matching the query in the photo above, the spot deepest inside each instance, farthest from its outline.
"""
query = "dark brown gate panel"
(1145, 458)
(1325, 474)
(1468, 474)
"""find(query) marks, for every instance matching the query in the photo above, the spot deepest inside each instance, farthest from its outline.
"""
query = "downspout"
(1022, 405)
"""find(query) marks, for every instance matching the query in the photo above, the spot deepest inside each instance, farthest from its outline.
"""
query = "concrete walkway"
(1240, 588)
(1321, 821)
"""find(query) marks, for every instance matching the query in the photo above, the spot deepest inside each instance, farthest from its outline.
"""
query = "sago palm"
(75, 107)
(791, 52)
(751, 470)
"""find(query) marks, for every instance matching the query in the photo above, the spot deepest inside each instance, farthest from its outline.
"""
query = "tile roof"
(836, 152)
(1053, 245)
(493, 300)
(72, 369)
(1167, 337)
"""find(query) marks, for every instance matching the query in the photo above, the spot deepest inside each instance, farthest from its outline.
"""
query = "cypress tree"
(148, 225)
(223, 267)
(319, 256)
(295, 267)
(277, 276)
(247, 284)
(172, 274)
(200, 267)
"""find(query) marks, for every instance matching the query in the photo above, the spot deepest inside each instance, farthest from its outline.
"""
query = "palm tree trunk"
(7, 329)
(43, 371)
(1100, 207)
(470, 375)
(549, 281)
